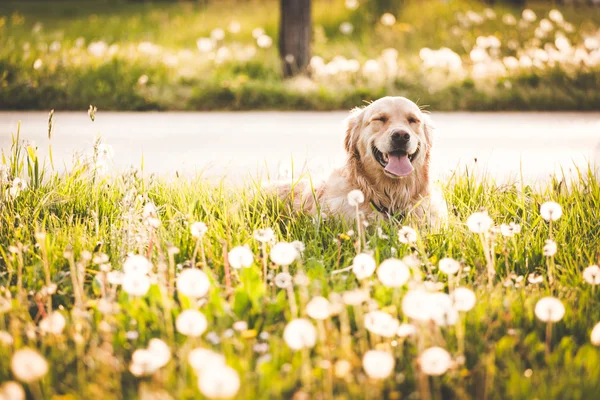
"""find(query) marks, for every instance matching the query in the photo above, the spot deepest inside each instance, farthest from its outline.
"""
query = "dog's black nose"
(400, 137)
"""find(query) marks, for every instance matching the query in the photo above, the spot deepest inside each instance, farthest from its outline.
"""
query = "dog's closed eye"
(413, 120)
(380, 118)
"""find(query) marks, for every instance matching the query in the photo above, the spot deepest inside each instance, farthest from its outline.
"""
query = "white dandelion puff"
(378, 364)
(283, 280)
(595, 335)
(136, 284)
(363, 266)
(318, 308)
(300, 334)
(283, 253)
(136, 264)
(240, 256)
(220, 382)
(388, 19)
(200, 358)
(551, 211)
(407, 235)
(449, 266)
(193, 283)
(381, 323)
(435, 361)
(549, 309)
(550, 248)
(355, 197)
(198, 229)
(592, 275)
(479, 222)
(393, 273)
(265, 235)
(53, 323)
(191, 323)
(510, 230)
(463, 299)
(28, 365)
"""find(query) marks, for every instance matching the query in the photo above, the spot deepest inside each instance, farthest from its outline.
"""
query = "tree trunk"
(295, 32)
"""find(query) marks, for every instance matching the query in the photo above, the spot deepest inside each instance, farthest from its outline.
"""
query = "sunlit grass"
(65, 237)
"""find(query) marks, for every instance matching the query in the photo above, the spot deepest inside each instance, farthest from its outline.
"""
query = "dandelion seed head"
(479, 222)
(283, 280)
(264, 41)
(556, 16)
(240, 257)
(318, 308)
(283, 253)
(393, 273)
(193, 283)
(136, 284)
(342, 368)
(405, 330)
(407, 235)
(388, 19)
(200, 358)
(355, 197)
(463, 299)
(28, 365)
(355, 297)
(205, 45)
(191, 323)
(54, 323)
(198, 230)
(549, 309)
(529, 15)
(435, 361)
(352, 4)
(265, 235)
(346, 28)
(381, 323)
(592, 275)
(551, 211)
(509, 19)
(136, 264)
(300, 334)
(11, 390)
(220, 382)
(595, 335)
(363, 266)
(550, 248)
(449, 266)
(378, 364)
(510, 230)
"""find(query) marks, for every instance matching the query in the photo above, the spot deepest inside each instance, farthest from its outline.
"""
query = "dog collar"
(380, 209)
(385, 211)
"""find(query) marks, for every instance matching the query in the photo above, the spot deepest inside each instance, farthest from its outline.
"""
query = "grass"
(51, 229)
(151, 60)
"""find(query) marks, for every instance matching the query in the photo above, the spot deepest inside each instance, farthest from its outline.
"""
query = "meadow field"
(215, 55)
(133, 286)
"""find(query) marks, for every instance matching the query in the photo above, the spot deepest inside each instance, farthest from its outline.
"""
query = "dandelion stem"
(228, 288)
(548, 337)
(264, 260)
(195, 254)
(358, 231)
(489, 260)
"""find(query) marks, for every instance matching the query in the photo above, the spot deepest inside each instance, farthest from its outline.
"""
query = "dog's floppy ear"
(428, 128)
(352, 123)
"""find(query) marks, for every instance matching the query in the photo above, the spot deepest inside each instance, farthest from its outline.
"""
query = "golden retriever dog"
(388, 145)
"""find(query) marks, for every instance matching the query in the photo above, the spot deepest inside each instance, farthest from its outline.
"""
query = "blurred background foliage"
(207, 55)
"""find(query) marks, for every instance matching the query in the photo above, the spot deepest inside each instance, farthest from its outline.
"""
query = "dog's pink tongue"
(399, 165)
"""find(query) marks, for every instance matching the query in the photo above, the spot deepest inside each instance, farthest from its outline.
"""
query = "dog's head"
(389, 138)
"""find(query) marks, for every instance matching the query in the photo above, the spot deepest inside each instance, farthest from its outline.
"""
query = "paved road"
(236, 145)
